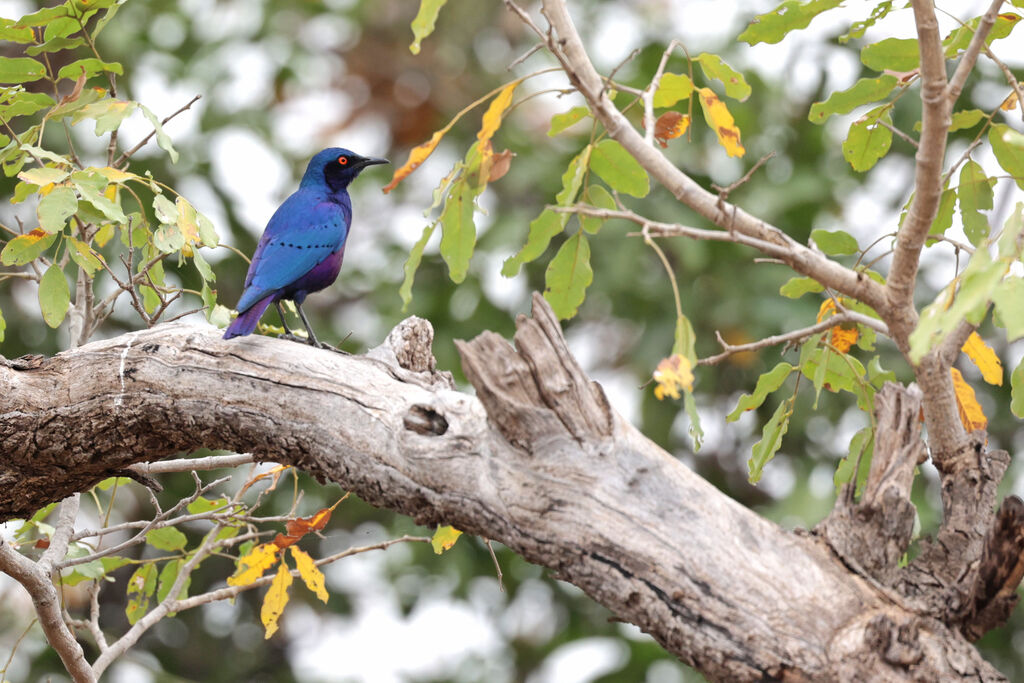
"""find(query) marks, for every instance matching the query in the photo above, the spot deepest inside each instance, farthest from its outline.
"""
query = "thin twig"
(723, 192)
(212, 462)
(125, 156)
(898, 132)
(796, 335)
(497, 566)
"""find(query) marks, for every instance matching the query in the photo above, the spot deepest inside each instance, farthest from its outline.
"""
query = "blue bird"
(304, 243)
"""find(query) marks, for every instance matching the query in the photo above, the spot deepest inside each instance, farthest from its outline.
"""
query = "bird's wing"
(304, 231)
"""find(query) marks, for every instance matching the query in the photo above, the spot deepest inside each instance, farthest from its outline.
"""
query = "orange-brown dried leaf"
(417, 156)
(500, 164)
(971, 415)
(669, 126)
(982, 355)
(845, 336)
(274, 472)
(673, 373)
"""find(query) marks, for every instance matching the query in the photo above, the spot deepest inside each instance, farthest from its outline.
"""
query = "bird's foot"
(291, 337)
(327, 347)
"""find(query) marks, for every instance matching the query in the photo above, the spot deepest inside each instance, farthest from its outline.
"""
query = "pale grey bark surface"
(538, 462)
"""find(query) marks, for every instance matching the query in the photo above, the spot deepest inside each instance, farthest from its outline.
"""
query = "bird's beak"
(369, 161)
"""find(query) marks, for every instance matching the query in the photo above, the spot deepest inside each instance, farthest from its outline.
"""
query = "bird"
(303, 245)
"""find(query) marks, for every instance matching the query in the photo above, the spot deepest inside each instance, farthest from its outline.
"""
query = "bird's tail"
(246, 321)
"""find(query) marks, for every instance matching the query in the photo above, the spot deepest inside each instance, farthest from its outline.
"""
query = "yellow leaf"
(252, 565)
(1010, 103)
(444, 538)
(985, 358)
(114, 175)
(970, 411)
(417, 156)
(492, 117)
(672, 373)
(718, 117)
(827, 309)
(310, 573)
(275, 600)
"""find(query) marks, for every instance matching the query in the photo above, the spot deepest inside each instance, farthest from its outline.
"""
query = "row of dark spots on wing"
(304, 246)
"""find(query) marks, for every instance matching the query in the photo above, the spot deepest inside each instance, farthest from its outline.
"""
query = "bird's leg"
(288, 334)
(313, 341)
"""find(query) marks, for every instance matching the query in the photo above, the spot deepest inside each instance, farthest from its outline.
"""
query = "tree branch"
(538, 462)
(569, 50)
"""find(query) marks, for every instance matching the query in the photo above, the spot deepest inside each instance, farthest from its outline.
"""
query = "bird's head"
(336, 167)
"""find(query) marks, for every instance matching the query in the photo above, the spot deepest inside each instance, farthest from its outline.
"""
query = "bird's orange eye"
(343, 161)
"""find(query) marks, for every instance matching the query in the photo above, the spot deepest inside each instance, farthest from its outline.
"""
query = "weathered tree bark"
(539, 462)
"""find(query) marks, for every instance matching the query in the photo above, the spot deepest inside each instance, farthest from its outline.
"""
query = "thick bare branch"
(580, 492)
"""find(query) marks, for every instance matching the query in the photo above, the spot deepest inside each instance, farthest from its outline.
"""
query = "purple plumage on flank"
(302, 248)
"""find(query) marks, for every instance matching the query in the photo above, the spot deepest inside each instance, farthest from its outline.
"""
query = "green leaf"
(1009, 300)
(1017, 390)
(26, 248)
(861, 447)
(43, 16)
(108, 114)
(568, 276)
(166, 538)
(550, 223)
(864, 91)
(207, 233)
(1008, 146)
(458, 232)
(203, 267)
(977, 283)
(835, 242)
(833, 371)
(944, 216)
(91, 66)
(789, 16)
(3, 325)
(87, 97)
(168, 575)
(685, 340)
(25, 104)
(423, 24)
(715, 68)
(893, 54)
(542, 229)
(598, 197)
(619, 169)
(83, 255)
(162, 139)
(109, 209)
(766, 384)
(868, 140)
(858, 28)
(695, 431)
(672, 88)
(203, 504)
(168, 238)
(413, 263)
(1007, 245)
(974, 194)
(166, 211)
(877, 375)
(55, 209)
(20, 70)
(960, 38)
(966, 118)
(54, 296)
(796, 287)
(771, 441)
(560, 122)
(15, 35)
(141, 587)
(55, 45)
